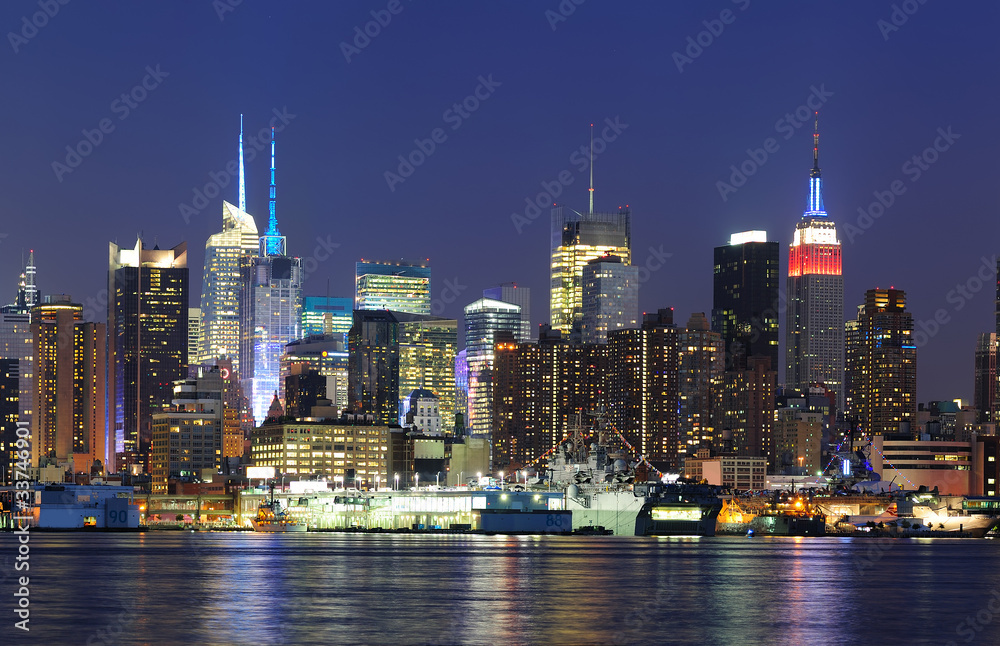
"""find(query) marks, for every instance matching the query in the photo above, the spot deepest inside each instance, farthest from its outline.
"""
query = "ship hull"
(277, 528)
(677, 519)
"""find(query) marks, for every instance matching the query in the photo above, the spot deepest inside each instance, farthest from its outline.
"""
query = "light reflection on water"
(207, 588)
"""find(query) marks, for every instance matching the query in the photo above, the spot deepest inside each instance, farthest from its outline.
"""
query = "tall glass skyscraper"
(220, 291)
(576, 239)
(814, 337)
(400, 287)
(147, 340)
(483, 319)
(520, 296)
(610, 298)
(270, 313)
(745, 298)
(427, 349)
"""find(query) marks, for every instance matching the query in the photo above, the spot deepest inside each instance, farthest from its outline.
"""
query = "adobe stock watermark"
(898, 17)
(222, 7)
(122, 107)
(455, 116)
(563, 11)
(201, 196)
(21, 519)
(697, 44)
(38, 20)
(322, 253)
(580, 160)
(785, 126)
(970, 627)
(654, 262)
(364, 34)
(958, 297)
(453, 289)
(913, 168)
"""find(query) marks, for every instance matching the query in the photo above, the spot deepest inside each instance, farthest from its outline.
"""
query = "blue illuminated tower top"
(243, 185)
(815, 207)
(272, 243)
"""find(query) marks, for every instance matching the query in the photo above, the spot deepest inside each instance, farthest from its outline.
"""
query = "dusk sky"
(891, 80)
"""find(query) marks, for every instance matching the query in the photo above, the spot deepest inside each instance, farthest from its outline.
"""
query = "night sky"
(886, 88)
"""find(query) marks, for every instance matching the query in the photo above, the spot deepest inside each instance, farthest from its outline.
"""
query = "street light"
(416, 480)
(396, 478)
(378, 478)
(501, 481)
(437, 479)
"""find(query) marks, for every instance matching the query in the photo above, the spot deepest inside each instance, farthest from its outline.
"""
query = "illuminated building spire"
(591, 169)
(243, 185)
(815, 207)
(30, 291)
(272, 243)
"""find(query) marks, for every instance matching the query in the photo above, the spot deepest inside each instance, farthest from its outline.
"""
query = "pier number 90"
(554, 520)
(117, 517)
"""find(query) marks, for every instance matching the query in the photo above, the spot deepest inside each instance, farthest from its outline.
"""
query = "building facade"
(700, 363)
(373, 365)
(427, 349)
(576, 239)
(484, 319)
(882, 363)
(400, 287)
(188, 437)
(985, 379)
(328, 356)
(746, 410)
(147, 338)
(610, 298)
(520, 296)
(323, 316)
(745, 298)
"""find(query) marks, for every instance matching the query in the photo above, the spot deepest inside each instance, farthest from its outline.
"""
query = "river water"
(243, 588)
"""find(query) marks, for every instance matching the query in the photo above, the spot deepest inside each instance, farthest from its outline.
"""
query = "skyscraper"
(9, 393)
(610, 298)
(576, 239)
(400, 287)
(427, 349)
(326, 355)
(220, 291)
(520, 296)
(147, 340)
(484, 318)
(325, 316)
(700, 363)
(642, 387)
(814, 331)
(745, 298)
(745, 409)
(15, 336)
(270, 309)
(882, 363)
(70, 424)
(373, 370)
(986, 384)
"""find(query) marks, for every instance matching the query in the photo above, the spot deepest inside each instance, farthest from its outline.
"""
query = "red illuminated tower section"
(815, 326)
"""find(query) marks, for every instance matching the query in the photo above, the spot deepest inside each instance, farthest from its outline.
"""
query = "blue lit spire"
(272, 243)
(815, 207)
(243, 184)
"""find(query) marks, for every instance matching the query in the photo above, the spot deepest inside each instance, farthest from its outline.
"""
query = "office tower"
(642, 388)
(147, 340)
(220, 291)
(610, 298)
(15, 335)
(576, 239)
(194, 335)
(745, 412)
(700, 363)
(520, 296)
(325, 316)
(303, 388)
(814, 332)
(326, 355)
(483, 320)
(538, 390)
(399, 287)
(187, 437)
(270, 309)
(745, 298)
(373, 370)
(427, 349)
(461, 388)
(9, 415)
(366, 464)
(69, 427)
(882, 363)
(986, 384)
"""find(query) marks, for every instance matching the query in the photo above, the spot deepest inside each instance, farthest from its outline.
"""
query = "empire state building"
(815, 326)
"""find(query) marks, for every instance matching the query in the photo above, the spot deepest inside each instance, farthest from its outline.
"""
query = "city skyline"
(667, 169)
